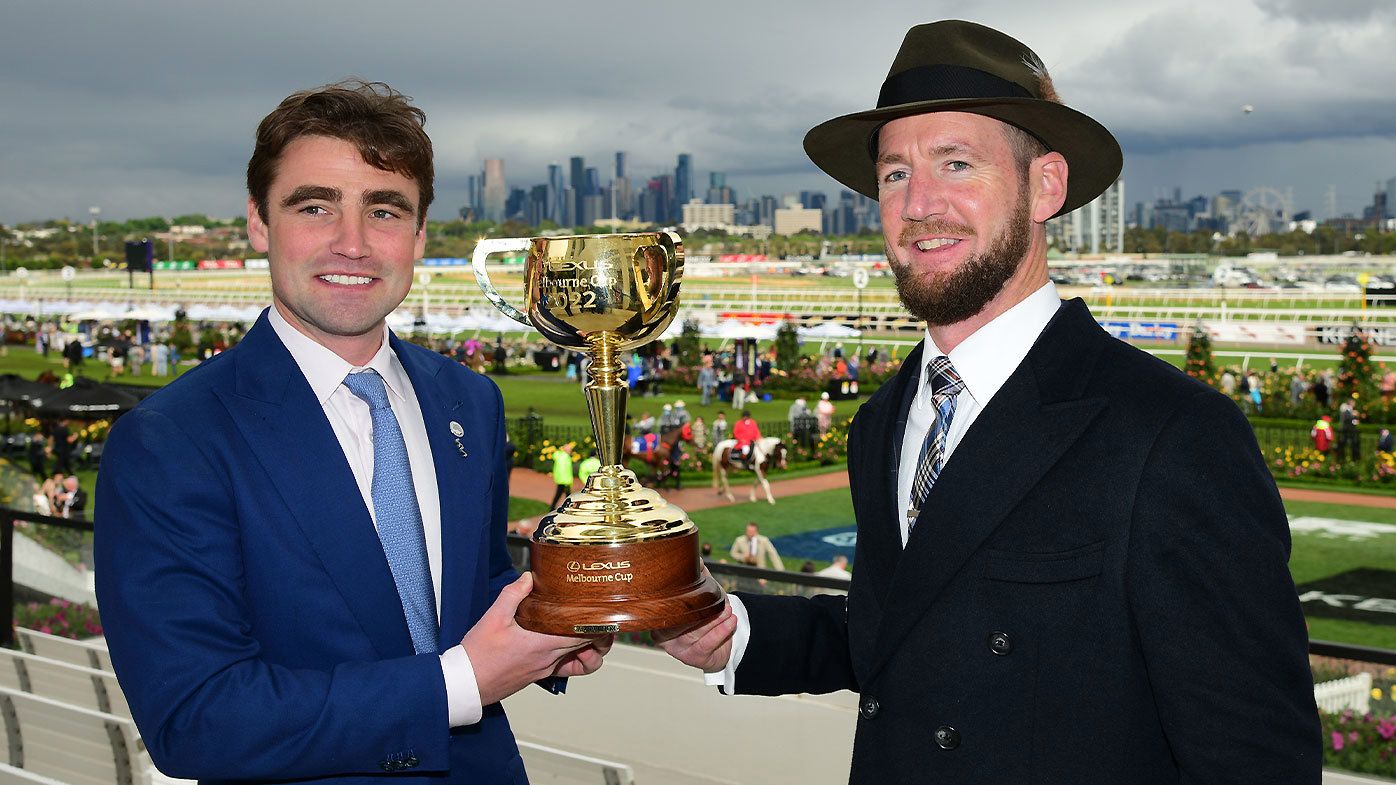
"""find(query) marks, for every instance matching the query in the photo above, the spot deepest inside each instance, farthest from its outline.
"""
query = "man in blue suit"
(300, 558)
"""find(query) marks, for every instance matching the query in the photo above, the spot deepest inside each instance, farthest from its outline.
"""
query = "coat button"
(1000, 643)
(869, 708)
(387, 765)
(947, 738)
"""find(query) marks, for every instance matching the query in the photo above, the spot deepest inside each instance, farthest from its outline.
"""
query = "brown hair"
(375, 118)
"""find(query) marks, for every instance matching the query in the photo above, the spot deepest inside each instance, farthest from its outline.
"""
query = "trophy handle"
(483, 249)
(673, 246)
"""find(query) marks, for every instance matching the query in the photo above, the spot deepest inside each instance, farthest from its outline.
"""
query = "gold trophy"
(614, 556)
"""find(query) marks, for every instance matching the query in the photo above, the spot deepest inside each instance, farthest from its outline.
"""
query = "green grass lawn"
(1314, 556)
(28, 363)
(821, 510)
(561, 402)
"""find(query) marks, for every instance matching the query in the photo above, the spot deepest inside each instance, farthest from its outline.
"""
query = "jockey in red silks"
(746, 432)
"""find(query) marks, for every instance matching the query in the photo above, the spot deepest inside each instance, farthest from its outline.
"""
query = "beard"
(950, 297)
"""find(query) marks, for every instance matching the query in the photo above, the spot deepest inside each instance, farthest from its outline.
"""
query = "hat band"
(944, 82)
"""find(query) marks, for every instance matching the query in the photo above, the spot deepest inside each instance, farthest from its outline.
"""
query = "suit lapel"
(463, 475)
(879, 531)
(1028, 425)
(285, 425)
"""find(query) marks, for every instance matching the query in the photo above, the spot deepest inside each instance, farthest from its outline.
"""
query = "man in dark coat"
(1072, 561)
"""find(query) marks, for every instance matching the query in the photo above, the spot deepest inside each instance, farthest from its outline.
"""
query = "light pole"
(860, 282)
(95, 212)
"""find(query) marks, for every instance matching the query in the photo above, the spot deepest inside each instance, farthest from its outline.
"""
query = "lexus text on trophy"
(614, 556)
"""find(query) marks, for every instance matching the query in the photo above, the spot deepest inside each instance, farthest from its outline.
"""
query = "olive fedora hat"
(956, 66)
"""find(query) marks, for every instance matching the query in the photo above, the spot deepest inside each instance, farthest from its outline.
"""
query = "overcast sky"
(148, 108)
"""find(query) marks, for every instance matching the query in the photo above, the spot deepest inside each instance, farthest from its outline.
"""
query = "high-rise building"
(552, 209)
(793, 220)
(683, 186)
(495, 189)
(766, 211)
(569, 206)
(718, 192)
(1096, 227)
(539, 199)
(622, 195)
(591, 209)
(472, 193)
(657, 200)
(516, 205)
(697, 215)
(577, 180)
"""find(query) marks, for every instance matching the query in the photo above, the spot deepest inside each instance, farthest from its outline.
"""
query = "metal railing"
(7, 557)
(733, 577)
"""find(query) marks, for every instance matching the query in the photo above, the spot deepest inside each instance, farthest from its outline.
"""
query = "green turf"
(28, 363)
(821, 510)
(1314, 556)
(560, 401)
(520, 507)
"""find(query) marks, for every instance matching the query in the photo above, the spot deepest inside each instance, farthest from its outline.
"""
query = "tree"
(690, 345)
(1355, 371)
(787, 347)
(1199, 356)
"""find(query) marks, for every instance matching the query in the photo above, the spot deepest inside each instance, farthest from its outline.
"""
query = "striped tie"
(398, 515)
(946, 384)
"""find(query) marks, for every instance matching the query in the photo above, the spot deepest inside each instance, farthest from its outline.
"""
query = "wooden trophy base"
(592, 589)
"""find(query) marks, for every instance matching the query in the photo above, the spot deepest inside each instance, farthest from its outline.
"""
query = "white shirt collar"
(326, 370)
(989, 356)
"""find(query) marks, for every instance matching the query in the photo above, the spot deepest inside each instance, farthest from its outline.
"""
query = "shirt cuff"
(462, 692)
(726, 678)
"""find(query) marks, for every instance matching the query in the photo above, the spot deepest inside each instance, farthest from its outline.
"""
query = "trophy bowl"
(614, 556)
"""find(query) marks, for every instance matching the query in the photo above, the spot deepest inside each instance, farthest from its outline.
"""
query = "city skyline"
(150, 110)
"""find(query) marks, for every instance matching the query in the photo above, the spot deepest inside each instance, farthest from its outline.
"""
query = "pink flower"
(1386, 729)
(1352, 736)
(46, 630)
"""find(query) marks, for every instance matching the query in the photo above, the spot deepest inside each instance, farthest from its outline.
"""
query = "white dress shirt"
(352, 424)
(984, 362)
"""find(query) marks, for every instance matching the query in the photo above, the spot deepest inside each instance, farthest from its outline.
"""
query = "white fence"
(1354, 693)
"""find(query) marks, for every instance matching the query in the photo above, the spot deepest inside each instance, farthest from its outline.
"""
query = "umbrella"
(13, 387)
(152, 313)
(85, 399)
(732, 328)
(827, 330)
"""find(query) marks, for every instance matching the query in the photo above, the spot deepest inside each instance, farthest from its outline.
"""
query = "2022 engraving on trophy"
(614, 556)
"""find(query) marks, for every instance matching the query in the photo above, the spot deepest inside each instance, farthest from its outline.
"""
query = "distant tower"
(553, 209)
(683, 184)
(578, 182)
(622, 197)
(496, 190)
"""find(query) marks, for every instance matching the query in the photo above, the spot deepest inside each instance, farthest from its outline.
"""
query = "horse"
(766, 453)
(659, 459)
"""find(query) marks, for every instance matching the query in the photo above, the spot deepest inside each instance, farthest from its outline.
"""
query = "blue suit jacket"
(252, 618)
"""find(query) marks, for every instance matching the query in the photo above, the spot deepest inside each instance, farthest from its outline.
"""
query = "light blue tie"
(946, 385)
(399, 517)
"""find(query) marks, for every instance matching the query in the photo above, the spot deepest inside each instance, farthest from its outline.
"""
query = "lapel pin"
(456, 430)
(461, 448)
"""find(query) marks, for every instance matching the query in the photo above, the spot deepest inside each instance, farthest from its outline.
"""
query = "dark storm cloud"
(1327, 10)
(148, 108)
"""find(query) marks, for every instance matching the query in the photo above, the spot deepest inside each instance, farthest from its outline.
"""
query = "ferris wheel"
(1263, 210)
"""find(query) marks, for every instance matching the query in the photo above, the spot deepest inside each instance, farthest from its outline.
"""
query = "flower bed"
(59, 617)
(1365, 744)
(1306, 463)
